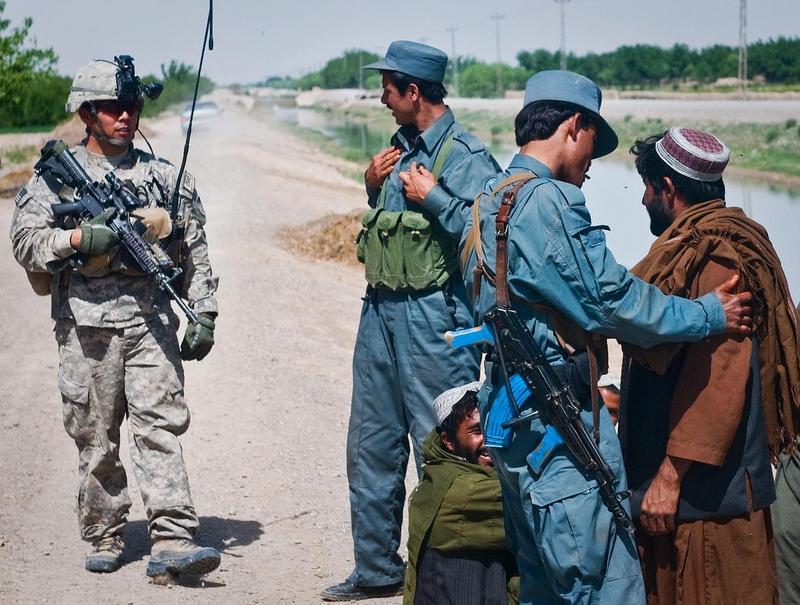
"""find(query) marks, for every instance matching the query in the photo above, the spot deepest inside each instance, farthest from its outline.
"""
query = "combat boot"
(181, 557)
(106, 555)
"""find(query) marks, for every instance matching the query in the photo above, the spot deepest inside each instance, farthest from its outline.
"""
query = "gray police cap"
(413, 59)
(569, 87)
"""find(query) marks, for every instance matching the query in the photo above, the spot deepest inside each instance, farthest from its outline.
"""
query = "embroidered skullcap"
(443, 404)
(699, 155)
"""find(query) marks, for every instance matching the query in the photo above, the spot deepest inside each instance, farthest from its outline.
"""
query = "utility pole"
(453, 31)
(496, 17)
(742, 47)
(563, 53)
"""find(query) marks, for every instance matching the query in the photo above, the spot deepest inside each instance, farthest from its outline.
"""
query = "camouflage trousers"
(104, 375)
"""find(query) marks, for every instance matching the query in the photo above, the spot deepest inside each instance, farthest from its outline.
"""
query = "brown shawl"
(711, 230)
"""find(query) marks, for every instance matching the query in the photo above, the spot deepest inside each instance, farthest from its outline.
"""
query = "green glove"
(96, 237)
(199, 337)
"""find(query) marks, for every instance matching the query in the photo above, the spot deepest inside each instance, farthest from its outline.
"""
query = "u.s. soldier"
(116, 331)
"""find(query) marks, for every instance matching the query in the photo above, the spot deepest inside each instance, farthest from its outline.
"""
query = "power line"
(742, 46)
(563, 53)
(496, 17)
(452, 29)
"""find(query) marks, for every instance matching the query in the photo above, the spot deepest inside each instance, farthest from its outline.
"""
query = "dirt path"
(269, 405)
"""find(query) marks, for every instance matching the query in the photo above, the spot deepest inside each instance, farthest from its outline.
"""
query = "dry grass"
(12, 181)
(329, 238)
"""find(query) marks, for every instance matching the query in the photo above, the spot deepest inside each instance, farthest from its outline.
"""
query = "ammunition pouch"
(40, 282)
(406, 251)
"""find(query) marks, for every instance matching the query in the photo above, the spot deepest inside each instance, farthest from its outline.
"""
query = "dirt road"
(265, 451)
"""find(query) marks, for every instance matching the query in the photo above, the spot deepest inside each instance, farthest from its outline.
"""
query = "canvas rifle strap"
(501, 282)
(473, 240)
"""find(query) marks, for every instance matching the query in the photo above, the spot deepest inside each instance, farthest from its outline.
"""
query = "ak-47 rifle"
(560, 410)
(527, 373)
(92, 199)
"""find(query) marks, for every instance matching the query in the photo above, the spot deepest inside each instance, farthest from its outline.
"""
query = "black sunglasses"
(117, 108)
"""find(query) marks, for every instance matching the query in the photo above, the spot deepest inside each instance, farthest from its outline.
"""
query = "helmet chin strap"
(121, 143)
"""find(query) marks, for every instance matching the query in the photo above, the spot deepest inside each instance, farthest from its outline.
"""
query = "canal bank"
(356, 132)
(763, 134)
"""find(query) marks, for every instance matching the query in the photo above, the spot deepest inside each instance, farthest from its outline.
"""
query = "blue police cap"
(569, 87)
(413, 59)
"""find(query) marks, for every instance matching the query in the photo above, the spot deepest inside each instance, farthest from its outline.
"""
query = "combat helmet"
(102, 80)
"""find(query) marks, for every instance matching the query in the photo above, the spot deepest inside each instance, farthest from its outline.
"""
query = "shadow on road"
(222, 534)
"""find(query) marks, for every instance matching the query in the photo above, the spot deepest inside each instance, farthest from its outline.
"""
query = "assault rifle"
(91, 199)
(526, 372)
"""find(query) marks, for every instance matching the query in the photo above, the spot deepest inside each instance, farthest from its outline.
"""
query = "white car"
(205, 112)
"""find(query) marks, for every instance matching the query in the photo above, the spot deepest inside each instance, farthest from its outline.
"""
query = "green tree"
(491, 80)
(31, 93)
(346, 71)
(679, 59)
(538, 60)
(713, 62)
(179, 81)
(776, 60)
(310, 80)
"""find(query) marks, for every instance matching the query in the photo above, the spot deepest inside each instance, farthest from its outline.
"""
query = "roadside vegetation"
(774, 66)
(33, 93)
(767, 148)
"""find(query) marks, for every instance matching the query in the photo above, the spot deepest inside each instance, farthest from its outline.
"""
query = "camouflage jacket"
(116, 299)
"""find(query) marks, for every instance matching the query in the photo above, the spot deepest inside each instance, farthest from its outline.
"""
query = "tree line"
(33, 94)
(774, 61)
(631, 66)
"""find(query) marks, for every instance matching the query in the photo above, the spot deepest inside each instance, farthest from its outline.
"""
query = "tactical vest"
(406, 251)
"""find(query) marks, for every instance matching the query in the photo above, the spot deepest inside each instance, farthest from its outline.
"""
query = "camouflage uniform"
(118, 349)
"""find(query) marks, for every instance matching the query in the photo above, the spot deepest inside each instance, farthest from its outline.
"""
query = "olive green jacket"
(457, 506)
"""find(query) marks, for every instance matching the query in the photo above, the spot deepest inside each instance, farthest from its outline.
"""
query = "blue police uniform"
(401, 363)
(566, 542)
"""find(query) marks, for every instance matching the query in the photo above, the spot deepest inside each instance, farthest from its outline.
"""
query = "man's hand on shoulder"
(417, 182)
(738, 314)
(381, 166)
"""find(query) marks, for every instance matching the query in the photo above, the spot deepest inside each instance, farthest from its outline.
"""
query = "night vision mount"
(129, 85)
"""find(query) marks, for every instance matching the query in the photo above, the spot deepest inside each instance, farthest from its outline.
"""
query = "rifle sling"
(501, 281)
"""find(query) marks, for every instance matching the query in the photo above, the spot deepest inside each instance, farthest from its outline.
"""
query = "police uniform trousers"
(400, 364)
(786, 524)
(104, 375)
(567, 545)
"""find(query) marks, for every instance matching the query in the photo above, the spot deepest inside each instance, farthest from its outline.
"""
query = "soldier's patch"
(188, 184)
(22, 197)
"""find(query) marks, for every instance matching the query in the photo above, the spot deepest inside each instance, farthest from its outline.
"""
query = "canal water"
(613, 194)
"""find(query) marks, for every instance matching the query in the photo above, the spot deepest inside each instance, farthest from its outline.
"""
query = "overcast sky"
(257, 39)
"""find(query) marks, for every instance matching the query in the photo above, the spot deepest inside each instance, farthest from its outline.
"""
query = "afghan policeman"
(560, 274)
(116, 330)
(409, 247)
